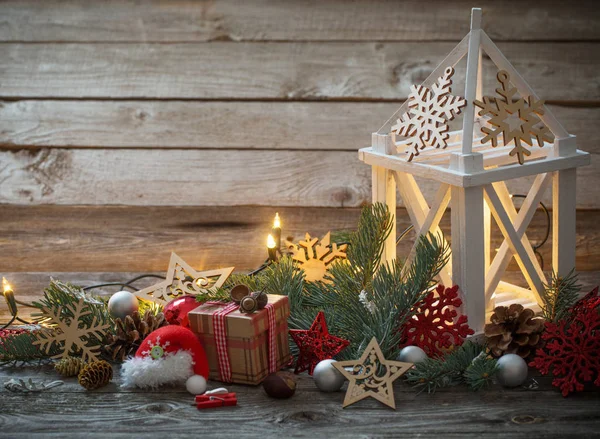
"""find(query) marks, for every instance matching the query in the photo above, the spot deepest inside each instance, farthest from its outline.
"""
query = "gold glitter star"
(372, 376)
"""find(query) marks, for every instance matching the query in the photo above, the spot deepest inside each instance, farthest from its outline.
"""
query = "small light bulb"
(5, 285)
(277, 222)
(271, 242)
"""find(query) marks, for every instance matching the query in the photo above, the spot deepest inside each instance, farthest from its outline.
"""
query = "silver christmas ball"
(122, 304)
(327, 378)
(412, 354)
(512, 370)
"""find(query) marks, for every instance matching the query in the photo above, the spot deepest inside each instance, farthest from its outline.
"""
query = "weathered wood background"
(215, 106)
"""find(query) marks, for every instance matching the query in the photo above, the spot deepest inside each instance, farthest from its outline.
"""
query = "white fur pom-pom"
(196, 385)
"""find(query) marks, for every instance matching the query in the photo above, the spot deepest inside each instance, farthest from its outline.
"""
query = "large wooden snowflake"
(71, 335)
(426, 121)
(516, 120)
(314, 257)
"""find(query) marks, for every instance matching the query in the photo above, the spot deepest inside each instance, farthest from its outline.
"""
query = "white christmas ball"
(122, 304)
(512, 370)
(196, 384)
(328, 378)
(412, 354)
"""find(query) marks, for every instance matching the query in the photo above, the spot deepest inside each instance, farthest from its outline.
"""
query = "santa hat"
(170, 355)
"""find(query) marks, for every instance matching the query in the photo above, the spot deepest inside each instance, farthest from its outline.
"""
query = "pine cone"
(95, 374)
(69, 367)
(513, 330)
(129, 334)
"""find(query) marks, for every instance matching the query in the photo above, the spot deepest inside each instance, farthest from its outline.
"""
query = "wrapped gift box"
(247, 341)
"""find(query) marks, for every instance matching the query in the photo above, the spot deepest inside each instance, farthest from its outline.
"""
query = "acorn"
(248, 305)
(280, 385)
(261, 299)
(238, 292)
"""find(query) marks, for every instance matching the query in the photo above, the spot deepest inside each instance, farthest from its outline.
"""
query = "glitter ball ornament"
(412, 354)
(512, 370)
(176, 311)
(122, 304)
(328, 378)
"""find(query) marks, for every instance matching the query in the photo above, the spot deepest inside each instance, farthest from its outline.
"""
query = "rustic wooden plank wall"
(228, 103)
(230, 94)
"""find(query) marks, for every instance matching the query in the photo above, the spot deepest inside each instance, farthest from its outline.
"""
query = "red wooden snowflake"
(316, 344)
(434, 326)
(572, 353)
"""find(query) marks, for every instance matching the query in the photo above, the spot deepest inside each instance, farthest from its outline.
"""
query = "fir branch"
(467, 364)
(17, 350)
(480, 372)
(559, 296)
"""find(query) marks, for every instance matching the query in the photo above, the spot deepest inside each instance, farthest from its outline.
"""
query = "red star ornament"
(316, 344)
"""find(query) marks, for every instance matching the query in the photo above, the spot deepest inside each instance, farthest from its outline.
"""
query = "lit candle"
(277, 231)
(9, 295)
(272, 248)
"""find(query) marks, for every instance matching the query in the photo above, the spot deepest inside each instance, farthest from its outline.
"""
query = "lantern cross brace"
(515, 239)
(423, 217)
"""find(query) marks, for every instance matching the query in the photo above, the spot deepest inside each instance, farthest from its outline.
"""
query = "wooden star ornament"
(316, 344)
(181, 280)
(372, 376)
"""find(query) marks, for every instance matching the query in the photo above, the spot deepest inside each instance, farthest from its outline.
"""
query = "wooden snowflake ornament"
(371, 376)
(516, 120)
(315, 256)
(426, 121)
(72, 336)
(181, 280)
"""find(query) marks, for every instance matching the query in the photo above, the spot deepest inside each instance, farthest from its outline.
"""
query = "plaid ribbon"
(219, 326)
(221, 340)
(271, 337)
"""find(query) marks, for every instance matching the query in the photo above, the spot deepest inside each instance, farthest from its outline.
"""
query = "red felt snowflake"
(590, 301)
(572, 353)
(434, 326)
(316, 344)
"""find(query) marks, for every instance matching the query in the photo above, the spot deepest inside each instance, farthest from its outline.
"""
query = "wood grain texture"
(220, 125)
(299, 71)
(110, 411)
(185, 177)
(90, 238)
(267, 20)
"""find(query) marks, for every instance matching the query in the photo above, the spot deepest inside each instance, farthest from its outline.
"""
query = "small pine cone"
(69, 367)
(129, 334)
(95, 374)
(513, 330)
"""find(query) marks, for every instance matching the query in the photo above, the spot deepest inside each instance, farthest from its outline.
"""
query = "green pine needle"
(468, 364)
(559, 296)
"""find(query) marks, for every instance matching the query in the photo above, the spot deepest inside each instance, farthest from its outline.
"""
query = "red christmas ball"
(176, 311)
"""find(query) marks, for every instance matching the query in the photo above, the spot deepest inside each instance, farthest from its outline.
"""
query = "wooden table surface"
(71, 411)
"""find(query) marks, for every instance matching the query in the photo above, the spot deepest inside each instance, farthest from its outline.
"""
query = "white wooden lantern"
(472, 177)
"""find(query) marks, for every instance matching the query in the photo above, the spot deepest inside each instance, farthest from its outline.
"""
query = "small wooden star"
(316, 344)
(181, 280)
(372, 376)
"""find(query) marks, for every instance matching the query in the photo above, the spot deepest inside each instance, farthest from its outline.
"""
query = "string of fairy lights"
(274, 252)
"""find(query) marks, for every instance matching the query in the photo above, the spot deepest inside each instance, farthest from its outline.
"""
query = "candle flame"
(271, 242)
(277, 221)
(5, 285)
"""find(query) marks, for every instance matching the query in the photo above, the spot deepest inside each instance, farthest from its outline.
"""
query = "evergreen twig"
(559, 296)
(468, 364)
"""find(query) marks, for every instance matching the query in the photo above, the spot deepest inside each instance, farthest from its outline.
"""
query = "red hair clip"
(216, 398)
